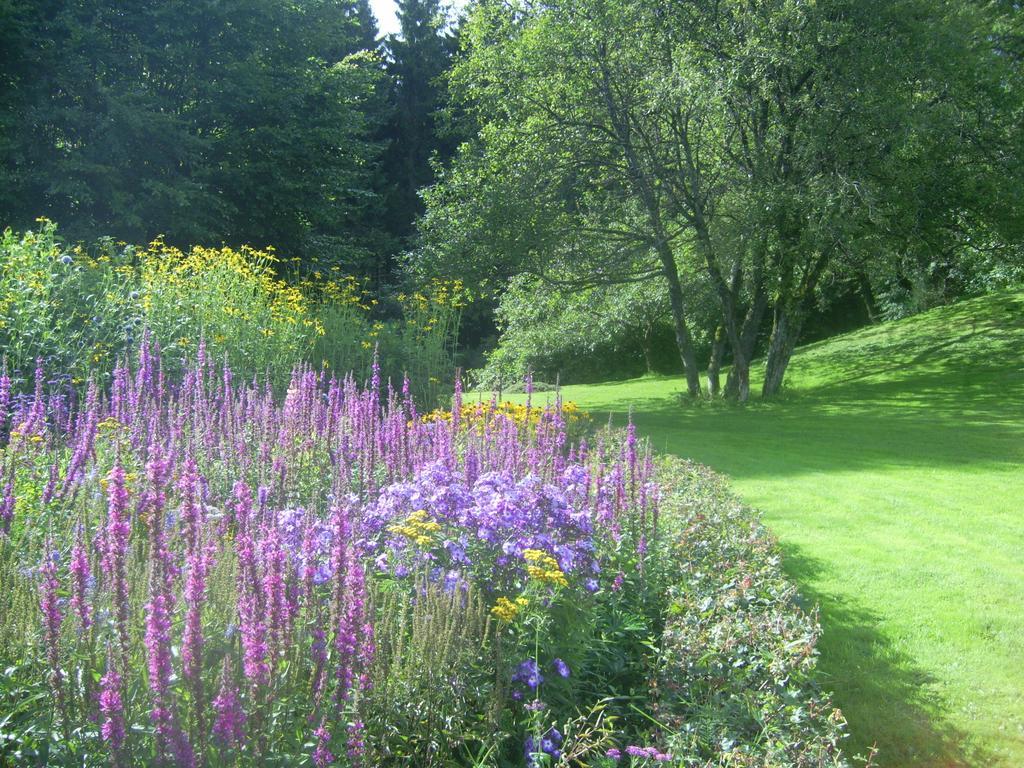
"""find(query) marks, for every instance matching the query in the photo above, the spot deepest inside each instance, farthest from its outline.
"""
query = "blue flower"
(323, 573)
(530, 748)
(528, 674)
(551, 743)
(561, 667)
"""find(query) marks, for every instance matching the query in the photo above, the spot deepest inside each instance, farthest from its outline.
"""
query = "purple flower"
(322, 754)
(53, 616)
(530, 751)
(528, 673)
(561, 667)
(118, 530)
(81, 575)
(613, 754)
(551, 743)
(195, 596)
(229, 725)
(112, 730)
(355, 745)
(6, 505)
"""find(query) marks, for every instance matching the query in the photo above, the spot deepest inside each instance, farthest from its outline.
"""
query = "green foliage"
(80, 309)
(772, 150)
(737, 664)
(592, 334)
(203, 121)
(433, 693)
(52, 306)
(890, 473)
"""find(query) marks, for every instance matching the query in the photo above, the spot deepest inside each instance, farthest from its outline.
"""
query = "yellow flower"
(418, 528)
(543, 567)
(507, 610)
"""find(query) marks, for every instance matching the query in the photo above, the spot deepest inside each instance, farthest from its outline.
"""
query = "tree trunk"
(715, 364)
(645, 347)
(675, 298)
(785, 333)
(748, 340)
(728, 293)
(868, 296)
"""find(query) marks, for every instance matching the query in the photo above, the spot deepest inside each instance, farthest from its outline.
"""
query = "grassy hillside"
(892, 472)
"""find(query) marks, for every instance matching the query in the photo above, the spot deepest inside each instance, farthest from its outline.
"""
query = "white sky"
(387, 22)
(384, 10)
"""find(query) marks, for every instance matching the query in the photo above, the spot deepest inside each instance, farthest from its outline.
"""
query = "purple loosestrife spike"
(118, 531)
(355, 746)
(80, 574)
(35, 423)
(242, 505)
(229, 722)
(53, 617)
(192, 640)
(7, 507)
(85, 440)
(5, 393)
(158, 654)
(51, 484)
(191, 507)
(112, 708)
(322, 754)
(251, 612)
(273, 562)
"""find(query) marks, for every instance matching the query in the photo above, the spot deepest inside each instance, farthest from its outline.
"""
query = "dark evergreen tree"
(417, 61)
(205, 120)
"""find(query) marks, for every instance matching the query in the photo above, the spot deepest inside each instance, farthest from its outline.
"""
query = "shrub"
(579, 335)
(736, 671)
(81, 309)
(232, 301)
(55, 304)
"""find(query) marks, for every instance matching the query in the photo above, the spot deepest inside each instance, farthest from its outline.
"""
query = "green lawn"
(893, 474)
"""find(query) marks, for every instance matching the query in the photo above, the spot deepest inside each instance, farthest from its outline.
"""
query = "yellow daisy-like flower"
(543, 567)
(506, 609)
(418, 528)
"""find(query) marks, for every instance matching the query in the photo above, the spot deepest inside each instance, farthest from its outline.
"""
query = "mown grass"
(892, 471)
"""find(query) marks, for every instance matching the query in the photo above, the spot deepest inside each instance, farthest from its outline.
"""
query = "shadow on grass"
(888, 702)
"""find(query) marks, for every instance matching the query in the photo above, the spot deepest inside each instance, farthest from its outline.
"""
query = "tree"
(417, 61)
(764, 144)
(204, 121)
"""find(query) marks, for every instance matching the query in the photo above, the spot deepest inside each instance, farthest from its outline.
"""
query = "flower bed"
(200, 573)
(736, 678)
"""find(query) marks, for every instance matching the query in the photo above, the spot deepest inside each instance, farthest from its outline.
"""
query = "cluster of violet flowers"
(639, 753)
(167, 506)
